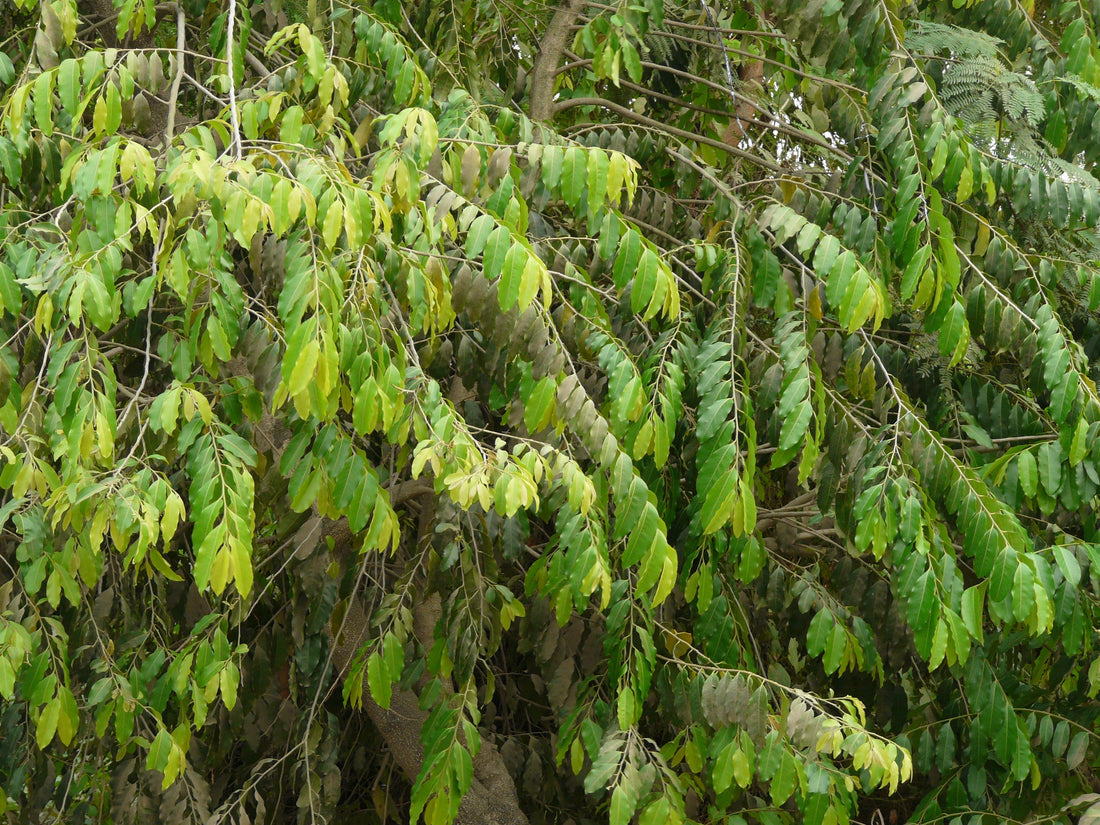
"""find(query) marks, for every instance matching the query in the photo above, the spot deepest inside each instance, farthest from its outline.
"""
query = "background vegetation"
(524, 413)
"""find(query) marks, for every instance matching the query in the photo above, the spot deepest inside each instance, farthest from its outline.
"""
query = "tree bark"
(545, 71)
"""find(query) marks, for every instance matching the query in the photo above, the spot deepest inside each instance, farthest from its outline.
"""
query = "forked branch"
(545, 70)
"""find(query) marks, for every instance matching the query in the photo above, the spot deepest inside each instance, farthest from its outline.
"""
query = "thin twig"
(148, 336)
(630, 114)
(753, 56)
(173, 95)
(772, 124)
(726, 57)
(95, 26)
(29, 405)
(234, 124)
(659, 67)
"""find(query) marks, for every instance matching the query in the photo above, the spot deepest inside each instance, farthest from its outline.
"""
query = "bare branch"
(234, 124)
(174, 93)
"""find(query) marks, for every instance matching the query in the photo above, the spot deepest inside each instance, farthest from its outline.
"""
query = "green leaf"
(825, 257)
(624, 801)
(159, 751)
(478, 235)
(605, 765)
(785, 780)
(512, 276)
(305, 368)
(1068, 564)
(496, 250)
(378, 679)
(1079, 446)
(1023, 590)
(43, 102)
(1028, 473)
(719, 498)
(631, 61)
(1050, 467)
(793, 431)
(598, 165)
(966, 185)
(939, 160)
(922, 609)
(820, 631)
(939, 644)
(959, 636)
(645, 284)
(1003, 574)
(553, 161)
(626, 260)
(538, 404)
(68, 86)
(954, 333)
(626, 708)
(47, 722)
(914, 271)
(574, 175)
(228, 681)
(796, 390)
(836, 649)
(973, 612)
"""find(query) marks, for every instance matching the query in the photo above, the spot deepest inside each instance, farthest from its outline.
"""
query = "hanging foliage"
(658, 412)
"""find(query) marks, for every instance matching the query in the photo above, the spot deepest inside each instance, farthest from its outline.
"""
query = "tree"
(521, 413)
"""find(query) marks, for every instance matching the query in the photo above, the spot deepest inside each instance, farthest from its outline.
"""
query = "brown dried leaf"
(471, 168)
(558, 689)
(499, 165)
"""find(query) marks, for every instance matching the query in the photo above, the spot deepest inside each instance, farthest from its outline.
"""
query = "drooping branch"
(746, 55)
(630, 114)
(745, 106)
(491, 798)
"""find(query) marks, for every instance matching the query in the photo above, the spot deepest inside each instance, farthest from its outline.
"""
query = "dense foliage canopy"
(528, 412)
